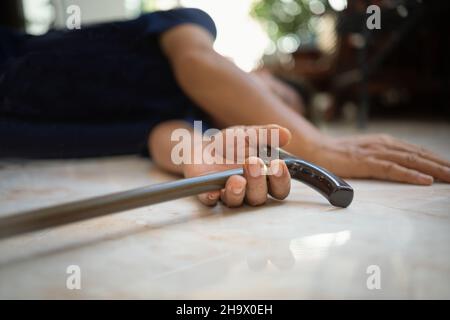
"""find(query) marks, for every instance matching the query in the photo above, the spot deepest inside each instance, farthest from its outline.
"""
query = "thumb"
(273, 131)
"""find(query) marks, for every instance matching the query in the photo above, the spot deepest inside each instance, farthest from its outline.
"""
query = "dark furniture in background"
(403, 69)
(11, 14)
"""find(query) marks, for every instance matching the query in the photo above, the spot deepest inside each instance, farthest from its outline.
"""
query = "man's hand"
(381, 157)
(254, 186)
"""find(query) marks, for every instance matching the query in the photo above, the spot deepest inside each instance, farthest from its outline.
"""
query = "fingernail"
(425, 179)
(255, 169)
(277, 170)
(237, 190)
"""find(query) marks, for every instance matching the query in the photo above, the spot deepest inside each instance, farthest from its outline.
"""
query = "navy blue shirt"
(90, 92)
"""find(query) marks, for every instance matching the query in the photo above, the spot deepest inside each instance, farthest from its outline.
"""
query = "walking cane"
(333, 188)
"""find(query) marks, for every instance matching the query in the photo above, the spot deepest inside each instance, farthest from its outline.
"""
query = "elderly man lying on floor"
(114, 88)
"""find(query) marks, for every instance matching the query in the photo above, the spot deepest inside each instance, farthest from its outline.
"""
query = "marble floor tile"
(301, 248)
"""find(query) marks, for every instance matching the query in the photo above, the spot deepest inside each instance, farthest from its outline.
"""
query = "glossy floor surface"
(393, 235)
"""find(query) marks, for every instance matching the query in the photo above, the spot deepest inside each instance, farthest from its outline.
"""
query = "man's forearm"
(229, 94)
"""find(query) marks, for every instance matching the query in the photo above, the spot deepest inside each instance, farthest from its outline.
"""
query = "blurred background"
(344, 71)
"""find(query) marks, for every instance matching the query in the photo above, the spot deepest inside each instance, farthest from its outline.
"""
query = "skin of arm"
(233, 97)
(224, 91)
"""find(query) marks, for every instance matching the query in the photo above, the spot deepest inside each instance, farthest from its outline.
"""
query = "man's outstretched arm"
(232, 97)
(229, 95)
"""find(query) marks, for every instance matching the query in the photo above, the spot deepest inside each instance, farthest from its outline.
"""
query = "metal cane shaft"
(99, 206)
(334, 189)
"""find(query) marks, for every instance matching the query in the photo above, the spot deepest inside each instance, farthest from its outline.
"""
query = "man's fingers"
(209, 198)
(234, 192)
(422, 152)
(279, 179)
(265, 132)
(387, 170)
(256, 190)
(414, 161)
(253, 186)
(283, 133)
(241, 142)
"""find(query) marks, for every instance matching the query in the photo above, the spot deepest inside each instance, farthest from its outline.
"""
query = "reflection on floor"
(393, 235)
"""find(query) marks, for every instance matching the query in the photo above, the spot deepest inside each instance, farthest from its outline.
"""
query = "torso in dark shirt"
(90, 92)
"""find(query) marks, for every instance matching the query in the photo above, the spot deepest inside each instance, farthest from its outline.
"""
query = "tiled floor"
(302, 248)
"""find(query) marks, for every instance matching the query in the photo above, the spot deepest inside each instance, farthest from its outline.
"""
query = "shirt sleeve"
(161, 21)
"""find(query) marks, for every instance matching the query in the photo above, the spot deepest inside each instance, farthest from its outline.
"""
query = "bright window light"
(239, 37)
(338, 5)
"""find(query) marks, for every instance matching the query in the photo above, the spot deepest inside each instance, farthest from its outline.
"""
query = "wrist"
(310, 148)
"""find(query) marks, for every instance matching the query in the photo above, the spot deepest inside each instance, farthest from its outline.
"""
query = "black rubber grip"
(338, 192)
